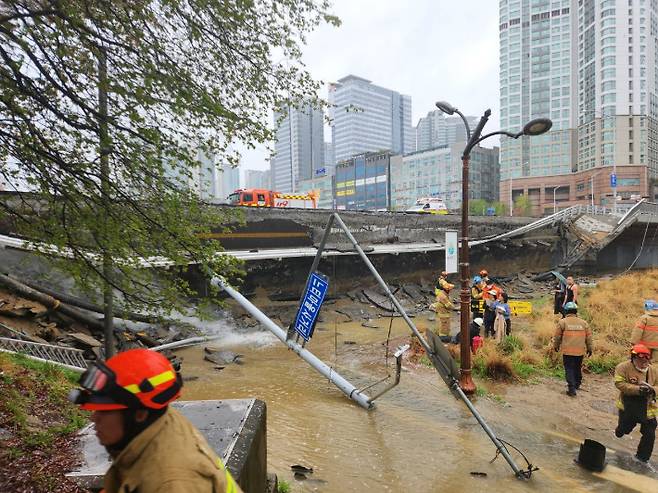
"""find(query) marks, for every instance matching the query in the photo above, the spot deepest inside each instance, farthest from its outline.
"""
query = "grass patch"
(39, 422)
(283, 486)
(424, 360)
(511, 344)
(481, 391)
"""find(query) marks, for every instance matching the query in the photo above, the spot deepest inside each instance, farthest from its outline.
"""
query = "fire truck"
(256, 197)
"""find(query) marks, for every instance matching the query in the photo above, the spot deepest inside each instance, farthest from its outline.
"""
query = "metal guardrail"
(70, 358)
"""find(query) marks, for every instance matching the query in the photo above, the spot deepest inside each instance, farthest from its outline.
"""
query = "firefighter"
(646, 329)
(442, 281)
(443, 306)
(153, 447)
(574, 336)
(489, 295)
(637, 382)
(477, 290)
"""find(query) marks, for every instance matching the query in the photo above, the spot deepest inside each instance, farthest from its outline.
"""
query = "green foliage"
(283, 486)
(184, 81)
(511, 344)
(478, 207)
(500, 207)
(602, 364)
(522, 205)
(30, 388)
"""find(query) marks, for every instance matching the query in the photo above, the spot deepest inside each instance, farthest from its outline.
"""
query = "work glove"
(645, 389)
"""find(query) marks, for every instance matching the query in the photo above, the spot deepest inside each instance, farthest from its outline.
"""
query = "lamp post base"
(466, 382)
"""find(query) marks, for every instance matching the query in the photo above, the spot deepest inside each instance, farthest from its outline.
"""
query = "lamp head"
(446, 107)
(537, 126)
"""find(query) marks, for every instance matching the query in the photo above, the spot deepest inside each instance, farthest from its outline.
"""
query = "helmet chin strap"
(132, 428)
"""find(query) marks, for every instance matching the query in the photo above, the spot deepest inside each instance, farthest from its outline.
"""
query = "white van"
(430, 205)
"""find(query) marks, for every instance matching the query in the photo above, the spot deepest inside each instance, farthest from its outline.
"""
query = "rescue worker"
(477, 290)
(154, 448)
(484, 274)
(443, 307)
(442, 281)
(490, 295)
(473, 331)
(637, 382)
(574, 336)
(646, 329)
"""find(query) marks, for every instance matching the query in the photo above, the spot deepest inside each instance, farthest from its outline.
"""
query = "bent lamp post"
(534, 127)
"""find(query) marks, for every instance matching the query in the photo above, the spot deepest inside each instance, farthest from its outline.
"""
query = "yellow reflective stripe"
(163, 377)
(231, 487)
(619, 378)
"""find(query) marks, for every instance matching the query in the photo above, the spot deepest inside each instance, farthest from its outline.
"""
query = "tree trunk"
(50, 302)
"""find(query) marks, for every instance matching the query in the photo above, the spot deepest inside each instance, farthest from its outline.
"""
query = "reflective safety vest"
(646, 330)
(628, 379)
(573, 335)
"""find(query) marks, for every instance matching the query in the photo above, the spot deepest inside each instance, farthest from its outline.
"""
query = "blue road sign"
(321, 172)
(308, 311)
(613, 180)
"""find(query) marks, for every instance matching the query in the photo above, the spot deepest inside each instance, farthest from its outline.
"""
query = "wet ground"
(418, 438)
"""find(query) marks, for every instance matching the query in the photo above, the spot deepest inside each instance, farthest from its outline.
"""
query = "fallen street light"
(534, 127)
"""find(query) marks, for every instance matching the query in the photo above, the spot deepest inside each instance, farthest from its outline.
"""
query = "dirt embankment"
(37, 426)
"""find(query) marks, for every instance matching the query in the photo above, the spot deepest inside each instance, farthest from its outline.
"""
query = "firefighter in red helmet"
(153, 447)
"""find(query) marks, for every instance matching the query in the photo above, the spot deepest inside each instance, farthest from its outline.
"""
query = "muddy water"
(418, 439)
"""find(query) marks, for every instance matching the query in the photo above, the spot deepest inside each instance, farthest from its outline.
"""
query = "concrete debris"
(380, 301)
(369, 324)
(222, 357)
(84, 340)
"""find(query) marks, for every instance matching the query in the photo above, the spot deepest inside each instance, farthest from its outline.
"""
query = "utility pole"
(105, 149)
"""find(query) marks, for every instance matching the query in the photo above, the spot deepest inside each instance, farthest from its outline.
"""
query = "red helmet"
(641, 351)
(132, 379)
(484, 273)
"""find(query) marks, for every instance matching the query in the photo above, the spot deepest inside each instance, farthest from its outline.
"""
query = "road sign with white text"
(316, 290)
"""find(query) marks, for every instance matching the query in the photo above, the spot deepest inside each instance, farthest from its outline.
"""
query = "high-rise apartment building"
(299, 147)
(437, 172)
(366, 117)
(329, 157)
(590, 66)
(257, 179)
(436, 129)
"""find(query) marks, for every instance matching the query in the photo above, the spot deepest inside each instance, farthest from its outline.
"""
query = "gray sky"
(428, 49)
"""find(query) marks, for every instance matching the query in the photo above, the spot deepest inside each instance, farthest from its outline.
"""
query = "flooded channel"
(417, 439)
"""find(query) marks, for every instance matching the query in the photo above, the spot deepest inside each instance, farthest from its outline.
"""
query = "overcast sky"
(428, 49)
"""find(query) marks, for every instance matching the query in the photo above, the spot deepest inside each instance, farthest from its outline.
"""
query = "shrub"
(511, 344)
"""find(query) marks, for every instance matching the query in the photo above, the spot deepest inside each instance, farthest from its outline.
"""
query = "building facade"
(368, 118)
(437, 172)
(329, 156)
(299, 147)
(591, 67)
(257, 179)
(435, 130)
(323, 184)
(363, 182)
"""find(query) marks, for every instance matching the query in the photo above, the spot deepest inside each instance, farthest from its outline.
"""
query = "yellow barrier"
(516, 307)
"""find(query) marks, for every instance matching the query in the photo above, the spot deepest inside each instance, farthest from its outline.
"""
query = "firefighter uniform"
(476, 297)
(574, 336)
(646, 332)
(628, 380)
(443, 308)
(170, 456)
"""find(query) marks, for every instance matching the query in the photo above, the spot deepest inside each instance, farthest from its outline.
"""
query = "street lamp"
(554, 201)
(534, 127)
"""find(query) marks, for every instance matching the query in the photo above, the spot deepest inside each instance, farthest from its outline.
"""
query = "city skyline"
(418, 56)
